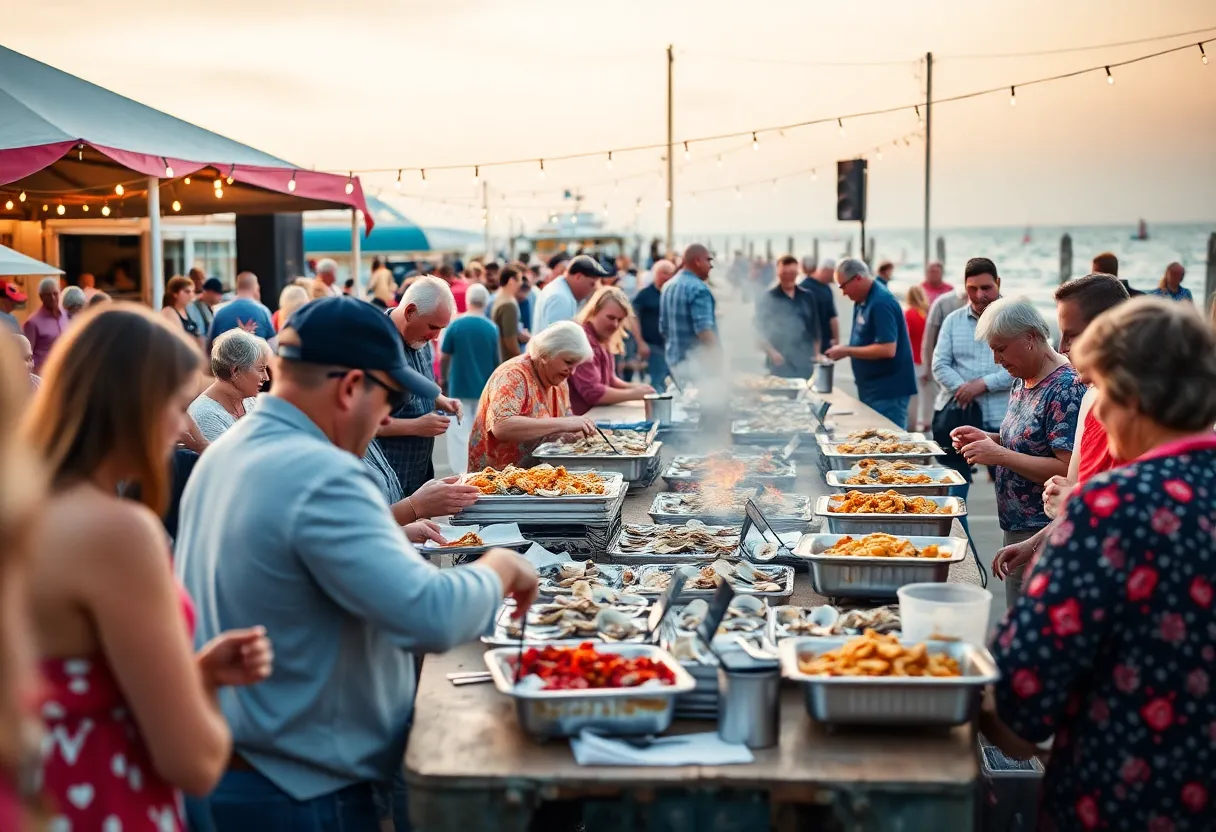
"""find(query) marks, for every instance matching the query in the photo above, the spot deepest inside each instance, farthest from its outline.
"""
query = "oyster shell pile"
(564, 577)
(588, 612)
(759, 382)
(828, 621)
(781, 422)
(743, 576)
(628, 442)
(694, 537)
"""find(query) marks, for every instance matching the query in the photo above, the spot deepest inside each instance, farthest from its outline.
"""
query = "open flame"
(724, 473)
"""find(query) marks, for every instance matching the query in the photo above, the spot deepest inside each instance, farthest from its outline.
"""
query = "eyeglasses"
(847, 282)
(396, 398)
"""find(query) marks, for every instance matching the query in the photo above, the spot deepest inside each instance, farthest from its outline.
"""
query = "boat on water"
(576, 232)
(1141, 231)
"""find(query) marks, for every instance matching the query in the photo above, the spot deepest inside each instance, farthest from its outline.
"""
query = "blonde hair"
(602, 297)
(291, 298)
(1164, 283)
(917, 299)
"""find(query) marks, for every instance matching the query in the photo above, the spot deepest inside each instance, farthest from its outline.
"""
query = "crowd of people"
(236, 609)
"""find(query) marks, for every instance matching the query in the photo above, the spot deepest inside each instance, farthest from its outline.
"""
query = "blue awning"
(386, 238)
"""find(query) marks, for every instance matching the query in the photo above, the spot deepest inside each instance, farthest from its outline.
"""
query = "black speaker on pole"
(851, 190)
(272, 247)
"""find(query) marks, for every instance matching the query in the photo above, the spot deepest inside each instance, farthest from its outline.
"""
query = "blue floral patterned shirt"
(1040, 420)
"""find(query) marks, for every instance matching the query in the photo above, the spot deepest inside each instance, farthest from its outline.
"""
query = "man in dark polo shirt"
(819, 282)
(879, 346)
(646, 307)
(787, 324)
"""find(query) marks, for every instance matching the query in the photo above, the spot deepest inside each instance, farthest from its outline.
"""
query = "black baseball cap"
(586, 265)
(348, 332)
(212, 284)
(557, 259)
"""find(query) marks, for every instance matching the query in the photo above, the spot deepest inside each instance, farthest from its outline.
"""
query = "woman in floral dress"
(1113, 646)
(527, 400)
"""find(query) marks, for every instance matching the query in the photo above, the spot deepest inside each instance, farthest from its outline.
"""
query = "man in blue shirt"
(246, 311)
(687, 319)
(787, 324)
(282, 524)
(879, 346)
(646, 305)
(819, 283)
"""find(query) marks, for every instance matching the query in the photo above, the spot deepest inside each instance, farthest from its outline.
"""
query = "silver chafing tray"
(610, 711)
(666, 509)
(632, 467)
(847, 576)
(782, 575)
(623, 550)
(682, 471)
(836, 459)
(837, 480)
(891, 700)
(922, 525)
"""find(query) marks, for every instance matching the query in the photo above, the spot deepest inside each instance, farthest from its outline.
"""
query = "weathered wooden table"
(470, 768)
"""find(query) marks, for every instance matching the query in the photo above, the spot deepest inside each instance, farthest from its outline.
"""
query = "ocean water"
(1027, 268)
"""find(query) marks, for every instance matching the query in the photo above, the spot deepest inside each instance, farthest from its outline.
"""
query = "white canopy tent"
(16, 264)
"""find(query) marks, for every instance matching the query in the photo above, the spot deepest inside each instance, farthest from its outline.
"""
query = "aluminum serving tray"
(847, 576)
(837, 460)
(661, 512)
(920, 525)
(630, 466)
(741, 436)
(836, 480)
(891, 700)
(609, 574)
(617, 554)
(610, 711)
(613, 483)
(538, 511)
(791, 388)
(502, 635)
(676, 478)
(780, 596)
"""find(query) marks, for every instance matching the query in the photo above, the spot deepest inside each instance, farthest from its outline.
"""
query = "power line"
(1068, 49)
(840, 118)
(721, 56)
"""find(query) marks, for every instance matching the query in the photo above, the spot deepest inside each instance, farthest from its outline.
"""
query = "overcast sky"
(409, 83)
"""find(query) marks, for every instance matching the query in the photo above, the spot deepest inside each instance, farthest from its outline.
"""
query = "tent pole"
(356, 255)
(155, 247)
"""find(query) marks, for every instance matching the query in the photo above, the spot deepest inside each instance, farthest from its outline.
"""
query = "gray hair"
(48, 284)
(1011, 318)
(73, 298)
(477, 295)
(292, 298)
(326, 266)
(560, 339)
(851, 267)
(236, 351)
(428, 294)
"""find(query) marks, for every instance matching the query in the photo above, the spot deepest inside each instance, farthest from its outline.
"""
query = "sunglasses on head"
(396, 398)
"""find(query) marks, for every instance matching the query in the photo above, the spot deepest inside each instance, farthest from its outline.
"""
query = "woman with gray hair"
(1036, 436)
(527, 400)
(238, 362)
(73, 301)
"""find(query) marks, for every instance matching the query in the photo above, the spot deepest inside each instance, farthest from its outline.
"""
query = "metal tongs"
(604, 436)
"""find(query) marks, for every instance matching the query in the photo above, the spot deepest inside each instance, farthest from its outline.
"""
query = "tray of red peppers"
(585, 668)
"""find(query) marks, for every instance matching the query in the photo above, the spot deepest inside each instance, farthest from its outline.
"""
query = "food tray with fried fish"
(770, 385)
(594, 613)
(875, 475)
(691, 542)
(725, 467)
(876, 565)
(727, 506)
(545, 484)
(569, 577)
(768, 581)
(636, 456)
(856, 513)
(889, 681)
(845, 453)
(793, 621)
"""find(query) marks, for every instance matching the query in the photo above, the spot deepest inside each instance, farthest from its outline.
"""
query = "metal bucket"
(658, 408)
(824, 371)
(749, 707)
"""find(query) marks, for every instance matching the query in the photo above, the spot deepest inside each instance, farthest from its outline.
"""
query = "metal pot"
(658, 408)
(823, 376)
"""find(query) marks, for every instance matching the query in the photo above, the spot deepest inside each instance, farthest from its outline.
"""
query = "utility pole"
(928, 142)
(485, 214)
(671, 204)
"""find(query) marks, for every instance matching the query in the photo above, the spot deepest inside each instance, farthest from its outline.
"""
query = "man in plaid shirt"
(686, 310)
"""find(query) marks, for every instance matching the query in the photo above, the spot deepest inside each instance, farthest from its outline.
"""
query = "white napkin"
(681, 750)
(539, 556)
(500, 534)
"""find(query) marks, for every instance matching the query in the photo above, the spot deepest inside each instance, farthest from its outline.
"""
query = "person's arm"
(445, 366)
(590, 385)
(359, 558)
(704, 321)
(886, 320)
(833, 318)
(507, 318)
(129, 593)
(998, 380)
(517, 429)
(1068, 586)
(933, 327)
(943, 362)
(1038, 469)
(429, 424)
(635, 330)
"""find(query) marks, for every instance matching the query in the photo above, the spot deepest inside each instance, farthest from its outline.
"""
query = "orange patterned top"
(513, 390)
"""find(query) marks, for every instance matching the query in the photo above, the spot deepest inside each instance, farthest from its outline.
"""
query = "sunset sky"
(409, 83)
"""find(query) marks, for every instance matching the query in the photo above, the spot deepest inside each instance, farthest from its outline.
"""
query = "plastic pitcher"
(944, 612)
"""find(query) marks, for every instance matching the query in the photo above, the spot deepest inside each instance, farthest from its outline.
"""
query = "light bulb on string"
(687, 154)
(814, 175)
(217, 184)
(21, 197)
(118, 189)
(878, 153)
(397, 185)
(755, 141)
(608, 164)
(45, 208)
(177, 206)
(1013, 97)
(186, 181)
(1203, 56)
(667, 204)
(105, 209)
(8, 206)
(350, 184)
(60, 210)
(920, 120)
(85, 207)
(168, 168)
(542, 168)
(219, 193)
(1110, 79)
(80, 147)
(231, 170)
(476, 174)
(840, 124)
(291, 183)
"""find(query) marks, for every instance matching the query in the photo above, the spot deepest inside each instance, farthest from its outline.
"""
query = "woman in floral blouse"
(527, 400)
(1113, 645)
(1035, 442)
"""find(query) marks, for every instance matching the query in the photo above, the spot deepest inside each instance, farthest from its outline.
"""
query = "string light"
(219, 193)
(840, 124)
(217, 184)
(105, 209)
(719, 160)
(476, 174)
(1013, 97)
(186, 181)
(1203, 56)
(920, 120)
(8, 206)
(350, 184)
(667, 204)
(177, 206)
(291, 183)
(60, 210)
(423, 172)
(1110, 79)
(118, 189)
(21, 197)
(85, 207)
(397, 184)
(814, 175)
(755, 141)
(80, 152)
(231, 170)
(687, 155)
(45, 208)
(608, 164)
(168, 168)
(878, 153)
(542, 168)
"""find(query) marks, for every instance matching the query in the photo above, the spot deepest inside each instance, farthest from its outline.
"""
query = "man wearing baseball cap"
(283, 525)
(10, 296)
(561, 298)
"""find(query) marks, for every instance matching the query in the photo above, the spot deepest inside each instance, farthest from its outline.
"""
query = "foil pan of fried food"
(843, 453)
(855, 512)
(903, 477)
(774, 582)
(876, 565)
(472, 540)
(879, 679)
(556, 484)
(688, 542)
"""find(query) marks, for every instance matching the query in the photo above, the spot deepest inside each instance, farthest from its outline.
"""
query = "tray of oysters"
(562, 578)
(774, 582)
(691, 542)
(791, 621)
(588, 613)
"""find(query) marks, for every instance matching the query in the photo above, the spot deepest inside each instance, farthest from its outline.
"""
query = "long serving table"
(470, 768)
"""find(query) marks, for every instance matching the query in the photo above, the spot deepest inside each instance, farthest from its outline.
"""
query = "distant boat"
(1141, 231)
(1026, 237)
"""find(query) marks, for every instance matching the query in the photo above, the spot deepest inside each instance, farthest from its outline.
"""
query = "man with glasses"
(878, 346)
(687, 318)
(283, 526)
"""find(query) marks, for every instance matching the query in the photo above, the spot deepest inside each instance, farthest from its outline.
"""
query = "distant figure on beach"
(1171, 287)
(886, 269)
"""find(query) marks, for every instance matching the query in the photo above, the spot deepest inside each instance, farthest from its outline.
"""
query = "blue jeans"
(896, 409)
(245, 801)
(657, 368)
